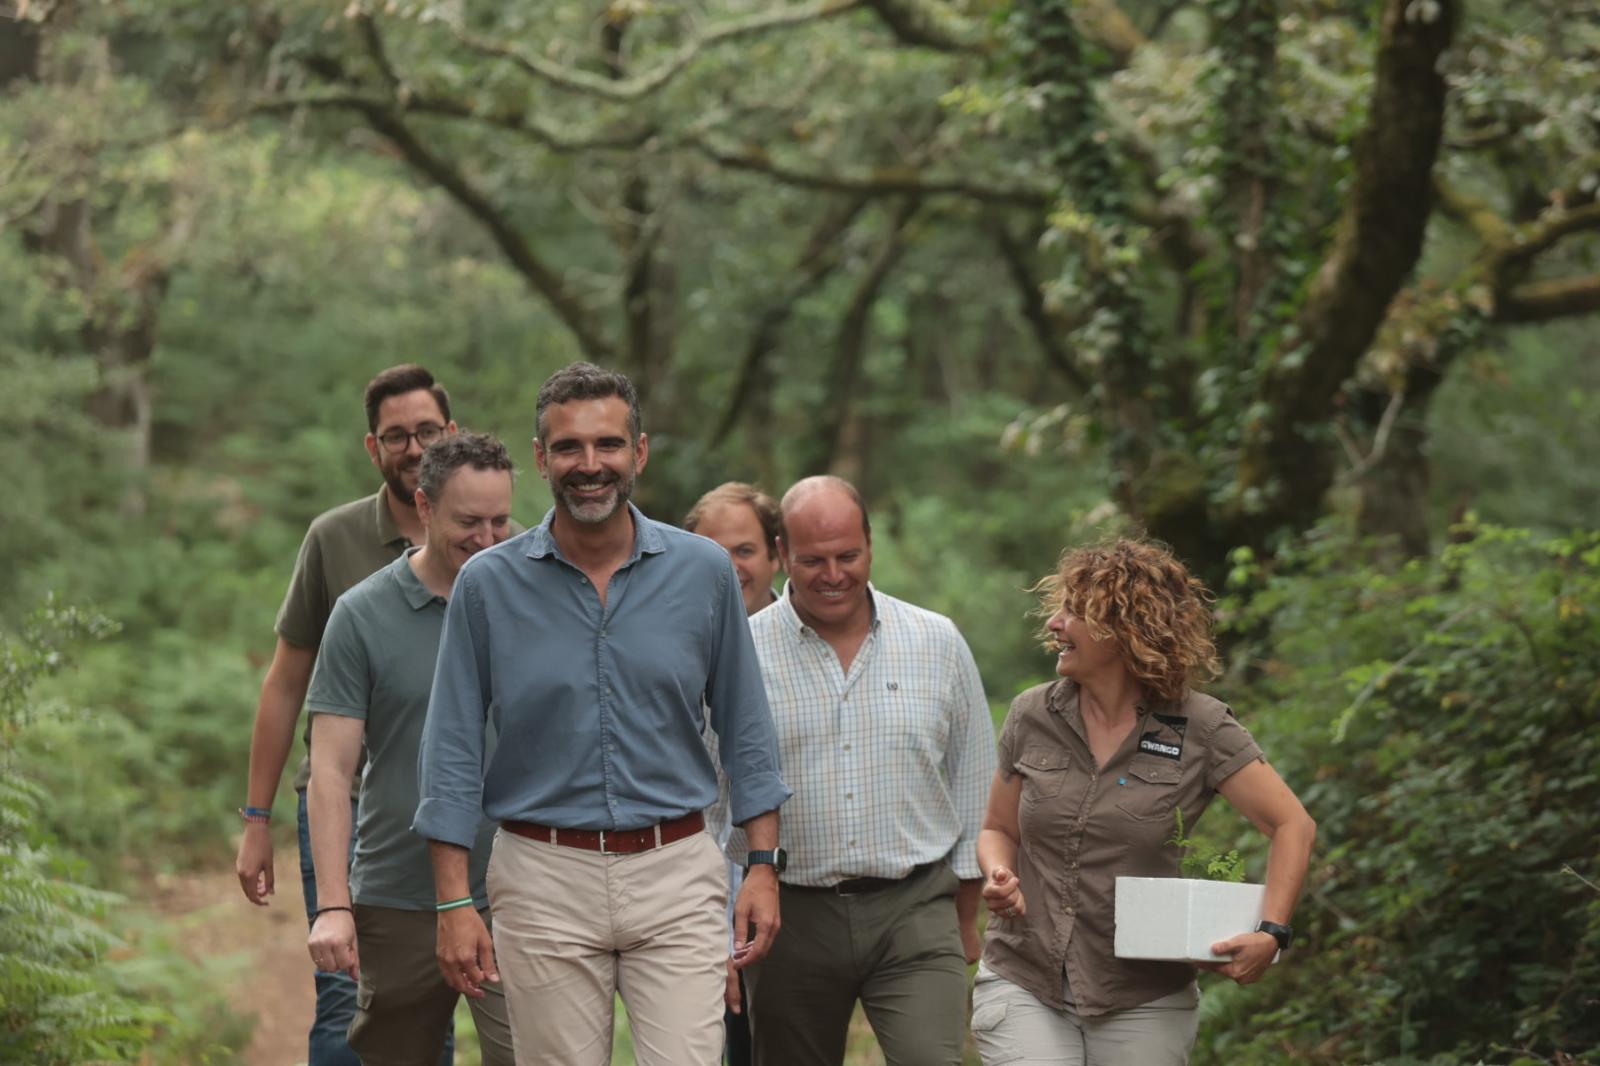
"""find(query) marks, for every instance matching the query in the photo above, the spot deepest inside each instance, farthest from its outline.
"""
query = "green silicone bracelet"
(464, 901)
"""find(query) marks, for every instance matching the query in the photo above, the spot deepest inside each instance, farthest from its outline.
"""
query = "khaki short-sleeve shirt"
(343, 547)
(1083, 826)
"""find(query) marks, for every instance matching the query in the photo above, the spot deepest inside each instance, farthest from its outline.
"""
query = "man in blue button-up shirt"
(584, 648)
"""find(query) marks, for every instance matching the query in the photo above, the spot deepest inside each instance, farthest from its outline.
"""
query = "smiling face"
(828, 555)
(415, 412)
(1081, 655)
(737, 528)
(473, 512)
(588, 459)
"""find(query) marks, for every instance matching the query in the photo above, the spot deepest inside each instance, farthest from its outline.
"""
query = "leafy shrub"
(1440, 724)
(1201, 860)
(63, 1000)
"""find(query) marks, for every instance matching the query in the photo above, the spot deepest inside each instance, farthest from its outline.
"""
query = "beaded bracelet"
(261, 815)
(450, 905)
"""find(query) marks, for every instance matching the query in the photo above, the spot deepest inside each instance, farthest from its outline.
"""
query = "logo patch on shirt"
(1166, 740)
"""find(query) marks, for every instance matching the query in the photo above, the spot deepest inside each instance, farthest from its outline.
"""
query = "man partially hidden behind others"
(370, 690)
(407, 410)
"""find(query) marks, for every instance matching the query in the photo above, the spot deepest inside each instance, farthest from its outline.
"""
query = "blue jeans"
(336, 992)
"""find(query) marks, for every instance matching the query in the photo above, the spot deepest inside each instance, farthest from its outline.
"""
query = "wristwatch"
(777, 858)
(1283, 934)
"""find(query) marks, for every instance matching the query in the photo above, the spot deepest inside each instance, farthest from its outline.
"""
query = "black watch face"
(780, 860)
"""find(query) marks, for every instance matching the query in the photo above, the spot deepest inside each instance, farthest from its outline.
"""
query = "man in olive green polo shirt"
(406, 411)
(376, 913)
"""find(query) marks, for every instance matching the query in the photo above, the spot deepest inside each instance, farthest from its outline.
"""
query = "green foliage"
(70, 991)
(57, 1004)
(1201, 860)
(1439, 723)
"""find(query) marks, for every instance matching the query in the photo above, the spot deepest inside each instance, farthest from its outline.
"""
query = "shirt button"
(1069, 912)
(849, 795)
(852, 843)
(847, 746)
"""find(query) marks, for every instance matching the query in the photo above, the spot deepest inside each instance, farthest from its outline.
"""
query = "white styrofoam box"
(1177, 919)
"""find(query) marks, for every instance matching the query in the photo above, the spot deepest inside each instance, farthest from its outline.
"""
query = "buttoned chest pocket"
(1044, 772)
(1148, 789)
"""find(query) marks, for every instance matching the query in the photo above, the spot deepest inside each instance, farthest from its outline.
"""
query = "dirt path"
(215, 921)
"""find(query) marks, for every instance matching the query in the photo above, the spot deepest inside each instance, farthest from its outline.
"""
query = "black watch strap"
(776, 858)
(1283, 934)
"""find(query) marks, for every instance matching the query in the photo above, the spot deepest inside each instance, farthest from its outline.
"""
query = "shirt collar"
(784, 605)
(647, 538)
(416, 593)
(1063, 699)
(388, 529)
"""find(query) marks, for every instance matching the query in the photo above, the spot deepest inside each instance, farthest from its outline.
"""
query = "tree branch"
(1473, 211)
(372, 38)
(817, 260)
(850, 347)
(927, 24)
(880, 181)
(1104, 23)
(1047, 330)
(1544, 234)
(512, 122)
(626, 89)
(1283, 471)
(540, 277)
(1541, 301)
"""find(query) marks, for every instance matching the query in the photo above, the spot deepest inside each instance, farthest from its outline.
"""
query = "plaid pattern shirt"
(890, 761)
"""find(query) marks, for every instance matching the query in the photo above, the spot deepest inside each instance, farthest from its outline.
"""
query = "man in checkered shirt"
(885, 736)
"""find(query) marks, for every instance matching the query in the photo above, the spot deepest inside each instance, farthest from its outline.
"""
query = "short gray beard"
(622, 492)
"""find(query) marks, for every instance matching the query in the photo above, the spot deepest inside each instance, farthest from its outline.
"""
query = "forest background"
(1306, 288)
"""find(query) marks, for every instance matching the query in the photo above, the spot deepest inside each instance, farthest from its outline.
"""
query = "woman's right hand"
(1002, 892)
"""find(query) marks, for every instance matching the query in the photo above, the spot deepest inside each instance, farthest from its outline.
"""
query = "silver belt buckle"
(602, 841)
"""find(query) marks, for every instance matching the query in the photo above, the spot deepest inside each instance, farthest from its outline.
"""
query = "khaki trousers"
(1012, 1028)
(573, 928)
(898, 950)
(403, 1006)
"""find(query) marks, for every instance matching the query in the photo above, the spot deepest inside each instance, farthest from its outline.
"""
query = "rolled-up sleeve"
(450, 761)
(970, 758)
(747, 739)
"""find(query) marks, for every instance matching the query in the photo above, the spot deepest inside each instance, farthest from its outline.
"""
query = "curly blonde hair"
(1137, 592)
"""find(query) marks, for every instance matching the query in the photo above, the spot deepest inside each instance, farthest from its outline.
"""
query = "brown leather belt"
(612, 841)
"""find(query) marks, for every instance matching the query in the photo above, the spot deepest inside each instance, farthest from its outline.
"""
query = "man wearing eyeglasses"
(407, 410)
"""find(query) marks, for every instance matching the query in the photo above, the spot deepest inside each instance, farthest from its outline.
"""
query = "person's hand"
(332, 943)
(465, 951)
(1250, 955)
(733, 996)
(1002, 894)
(756, 906)
(253, 864)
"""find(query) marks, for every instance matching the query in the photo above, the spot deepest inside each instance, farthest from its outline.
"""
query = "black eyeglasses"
(398, 440)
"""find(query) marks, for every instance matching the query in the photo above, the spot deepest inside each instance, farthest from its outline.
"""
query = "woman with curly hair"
(1092, 768)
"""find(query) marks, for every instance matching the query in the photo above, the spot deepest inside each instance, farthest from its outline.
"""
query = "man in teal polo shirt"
(407, 410)
(370, 689)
